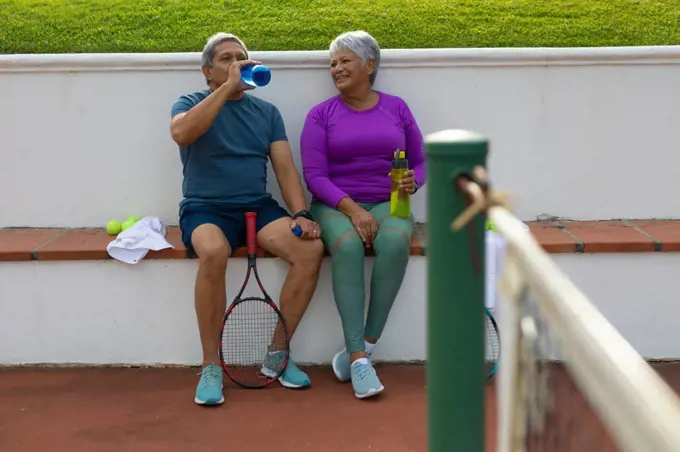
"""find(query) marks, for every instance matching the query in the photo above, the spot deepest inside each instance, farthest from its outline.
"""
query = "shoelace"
(363, 371)
(211, 377)
(274, 361)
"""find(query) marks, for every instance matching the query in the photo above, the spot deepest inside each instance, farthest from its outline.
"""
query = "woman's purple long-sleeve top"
(349, 153)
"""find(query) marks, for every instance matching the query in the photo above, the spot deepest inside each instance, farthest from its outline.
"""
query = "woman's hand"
(365, 225)
(408, 183)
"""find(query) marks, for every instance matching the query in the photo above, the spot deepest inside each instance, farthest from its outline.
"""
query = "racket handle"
(251, 233)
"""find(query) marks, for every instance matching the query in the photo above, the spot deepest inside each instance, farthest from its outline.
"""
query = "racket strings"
(251, 343)
(492, 341)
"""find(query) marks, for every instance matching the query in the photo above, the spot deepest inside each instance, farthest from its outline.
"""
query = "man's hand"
(234, 79)
(310, 229)
(365, 225)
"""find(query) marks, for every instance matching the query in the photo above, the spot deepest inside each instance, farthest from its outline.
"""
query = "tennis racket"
(493, 344)
(255, 344)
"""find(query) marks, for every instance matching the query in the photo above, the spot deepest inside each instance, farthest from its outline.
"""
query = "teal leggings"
(391, 246)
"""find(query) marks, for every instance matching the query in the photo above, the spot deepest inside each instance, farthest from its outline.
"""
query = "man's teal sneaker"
(292, 376)
(364, 379)
(209, 389)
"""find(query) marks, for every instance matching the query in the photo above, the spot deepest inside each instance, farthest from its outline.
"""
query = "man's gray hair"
(361, 43)
(214, 41)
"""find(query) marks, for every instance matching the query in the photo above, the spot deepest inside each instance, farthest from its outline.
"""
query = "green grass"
(61, 26)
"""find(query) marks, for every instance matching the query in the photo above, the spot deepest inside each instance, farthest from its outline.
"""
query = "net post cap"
(455, 135)
(455, 142)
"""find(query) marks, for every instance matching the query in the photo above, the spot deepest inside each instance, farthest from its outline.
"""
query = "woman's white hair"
(361, 43)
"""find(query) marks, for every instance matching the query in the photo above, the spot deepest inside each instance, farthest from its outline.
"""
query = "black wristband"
(303, 214)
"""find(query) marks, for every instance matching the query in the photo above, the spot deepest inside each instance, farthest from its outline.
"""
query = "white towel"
(495, 247)
(495, 253)
(132, 244)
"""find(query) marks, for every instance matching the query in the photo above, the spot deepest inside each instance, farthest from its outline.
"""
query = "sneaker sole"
(334, 365)
(268, 373)
(203, 402)
(370, 393)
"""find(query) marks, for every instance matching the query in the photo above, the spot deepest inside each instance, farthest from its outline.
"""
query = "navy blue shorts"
(231, 221)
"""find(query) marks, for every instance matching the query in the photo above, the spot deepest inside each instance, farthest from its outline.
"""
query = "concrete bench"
(64, 300)
(55, 244)
(22, 244)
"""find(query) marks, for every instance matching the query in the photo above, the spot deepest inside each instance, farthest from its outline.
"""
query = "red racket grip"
(251, 233)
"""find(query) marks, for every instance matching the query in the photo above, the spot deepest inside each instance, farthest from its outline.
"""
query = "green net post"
(455, 313)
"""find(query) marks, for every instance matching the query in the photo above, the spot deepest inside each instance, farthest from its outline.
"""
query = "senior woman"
(347, 145)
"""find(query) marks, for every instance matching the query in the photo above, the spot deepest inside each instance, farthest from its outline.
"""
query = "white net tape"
(544, 317)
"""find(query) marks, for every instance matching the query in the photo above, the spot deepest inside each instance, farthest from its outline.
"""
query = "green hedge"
(63, 26)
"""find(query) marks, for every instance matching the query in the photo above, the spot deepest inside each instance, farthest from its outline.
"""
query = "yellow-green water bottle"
(400, 202)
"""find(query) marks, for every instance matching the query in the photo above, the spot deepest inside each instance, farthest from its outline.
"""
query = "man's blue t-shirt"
(227, 165)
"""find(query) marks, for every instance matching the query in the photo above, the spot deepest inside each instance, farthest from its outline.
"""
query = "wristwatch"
(303, 214)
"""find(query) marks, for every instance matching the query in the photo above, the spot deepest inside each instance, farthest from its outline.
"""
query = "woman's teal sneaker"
(364, 379)
(340, 364)
(209, 389)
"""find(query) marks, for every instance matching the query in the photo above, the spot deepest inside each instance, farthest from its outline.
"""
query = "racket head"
(492, 349)
(254, 344)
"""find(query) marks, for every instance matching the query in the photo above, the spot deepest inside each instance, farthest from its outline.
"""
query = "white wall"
(109, 312)
(578, 133)
(106, 312)
(637, 293)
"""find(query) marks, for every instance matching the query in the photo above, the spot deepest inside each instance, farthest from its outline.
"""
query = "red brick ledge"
(26, 244)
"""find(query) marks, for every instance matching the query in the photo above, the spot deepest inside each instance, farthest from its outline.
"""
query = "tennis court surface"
(104, 409)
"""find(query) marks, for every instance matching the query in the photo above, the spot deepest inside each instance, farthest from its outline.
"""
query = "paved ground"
(149, 410)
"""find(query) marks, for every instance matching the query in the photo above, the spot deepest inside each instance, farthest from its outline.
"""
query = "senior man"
(226, 137)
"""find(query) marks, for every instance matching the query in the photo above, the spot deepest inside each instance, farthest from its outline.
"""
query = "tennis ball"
(127, 223)
(133, 219)
(113, 227)
(489, 225)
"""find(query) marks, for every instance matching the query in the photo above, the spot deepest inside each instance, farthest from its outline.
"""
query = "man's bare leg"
(210, 300)
(210, 293)
(305, 258)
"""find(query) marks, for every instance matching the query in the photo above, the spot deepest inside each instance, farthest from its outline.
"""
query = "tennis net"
(568, 381)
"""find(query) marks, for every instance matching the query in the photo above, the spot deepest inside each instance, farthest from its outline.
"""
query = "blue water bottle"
(256, 75)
